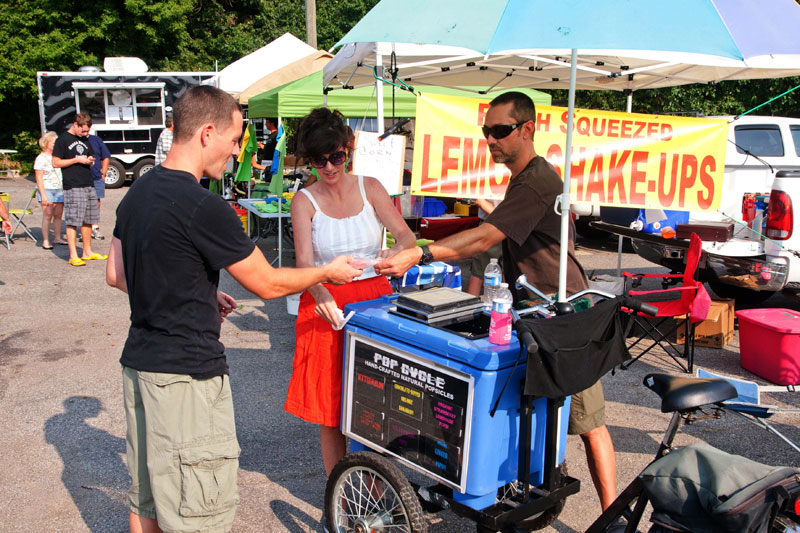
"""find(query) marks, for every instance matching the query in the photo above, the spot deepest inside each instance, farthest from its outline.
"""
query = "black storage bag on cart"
(575, 350)
(701, 489)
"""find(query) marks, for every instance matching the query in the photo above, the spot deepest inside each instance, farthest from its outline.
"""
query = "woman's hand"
(326, 306)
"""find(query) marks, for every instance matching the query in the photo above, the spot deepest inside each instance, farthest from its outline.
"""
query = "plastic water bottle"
(492, 277)
(500, 325)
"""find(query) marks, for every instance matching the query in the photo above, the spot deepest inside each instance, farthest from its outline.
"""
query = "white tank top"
(359, 235)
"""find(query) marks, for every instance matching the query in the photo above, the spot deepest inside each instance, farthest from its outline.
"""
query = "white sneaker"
(97, 235)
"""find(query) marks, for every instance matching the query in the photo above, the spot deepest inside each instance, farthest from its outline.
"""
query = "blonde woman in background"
(49, 194)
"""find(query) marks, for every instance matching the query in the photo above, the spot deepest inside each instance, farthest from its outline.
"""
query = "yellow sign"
(620, 159)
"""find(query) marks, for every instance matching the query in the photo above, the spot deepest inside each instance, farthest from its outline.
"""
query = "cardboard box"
(290, 161)
(716, 331)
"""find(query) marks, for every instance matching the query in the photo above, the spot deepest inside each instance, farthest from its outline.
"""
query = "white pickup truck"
(763, 157)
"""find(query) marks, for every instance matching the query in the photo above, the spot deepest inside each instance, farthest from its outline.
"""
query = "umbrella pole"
(565, 201)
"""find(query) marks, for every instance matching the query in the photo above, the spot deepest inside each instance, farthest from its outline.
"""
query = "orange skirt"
(315, 389)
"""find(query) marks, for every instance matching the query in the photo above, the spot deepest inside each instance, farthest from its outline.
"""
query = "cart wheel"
(535, 522)
(367, 493)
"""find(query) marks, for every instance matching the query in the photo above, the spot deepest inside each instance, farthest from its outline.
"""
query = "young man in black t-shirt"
(73, 154)
(171, 239)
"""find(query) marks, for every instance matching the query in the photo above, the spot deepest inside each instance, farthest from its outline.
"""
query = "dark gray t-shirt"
(176, 237)
(533, 231)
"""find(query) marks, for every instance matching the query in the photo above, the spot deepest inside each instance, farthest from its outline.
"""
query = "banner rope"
(768, 101)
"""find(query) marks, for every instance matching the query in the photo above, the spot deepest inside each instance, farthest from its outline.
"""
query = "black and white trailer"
(128, 106)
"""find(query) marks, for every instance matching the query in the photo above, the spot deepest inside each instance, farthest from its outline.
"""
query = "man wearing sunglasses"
(530, 231)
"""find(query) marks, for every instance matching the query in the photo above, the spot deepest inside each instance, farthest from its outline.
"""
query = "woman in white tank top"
(339, 214)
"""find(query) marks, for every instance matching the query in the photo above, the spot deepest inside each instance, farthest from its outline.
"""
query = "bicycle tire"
(367, 492)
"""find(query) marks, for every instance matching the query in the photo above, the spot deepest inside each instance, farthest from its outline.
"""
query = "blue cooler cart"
(431, 392)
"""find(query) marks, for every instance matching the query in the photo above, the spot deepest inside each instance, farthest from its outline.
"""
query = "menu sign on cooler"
(408, 406)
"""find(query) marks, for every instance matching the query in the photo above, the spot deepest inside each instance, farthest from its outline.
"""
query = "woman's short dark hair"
(323, 131)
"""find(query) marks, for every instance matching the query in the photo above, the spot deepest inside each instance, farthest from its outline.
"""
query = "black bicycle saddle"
(680, 393)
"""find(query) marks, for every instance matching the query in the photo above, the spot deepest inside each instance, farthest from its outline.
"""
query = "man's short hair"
(523, 108)
(83, 119)
(200, 105)
(168, 122)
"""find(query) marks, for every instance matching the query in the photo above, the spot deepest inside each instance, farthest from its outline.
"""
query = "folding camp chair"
(691, 306)
(19, 214)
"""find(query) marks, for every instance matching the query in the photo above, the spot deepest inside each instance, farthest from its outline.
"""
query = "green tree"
(725, 98)
(201, 35)
(169, 35)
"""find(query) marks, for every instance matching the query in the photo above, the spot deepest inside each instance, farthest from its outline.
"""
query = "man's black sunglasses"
(500, 131)
(336, 159)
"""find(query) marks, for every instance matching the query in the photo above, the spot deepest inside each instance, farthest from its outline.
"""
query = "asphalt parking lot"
(62, 433)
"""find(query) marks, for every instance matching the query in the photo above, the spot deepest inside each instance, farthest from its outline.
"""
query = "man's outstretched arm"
(463, 244)
(256, 275)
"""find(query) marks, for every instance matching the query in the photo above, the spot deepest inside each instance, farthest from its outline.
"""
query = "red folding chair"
(688, 302)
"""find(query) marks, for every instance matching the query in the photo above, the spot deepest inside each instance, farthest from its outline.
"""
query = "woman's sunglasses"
(336, 159)
(500, 131)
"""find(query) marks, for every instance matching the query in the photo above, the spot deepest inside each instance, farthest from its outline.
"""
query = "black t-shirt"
(533, 231)
(69, 146)
(268, 152)
(176, 237)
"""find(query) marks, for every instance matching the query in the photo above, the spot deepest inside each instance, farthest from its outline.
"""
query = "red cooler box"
(769, 341)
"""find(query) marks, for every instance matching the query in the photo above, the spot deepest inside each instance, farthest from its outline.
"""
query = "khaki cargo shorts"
(588, 410)
(183, 456)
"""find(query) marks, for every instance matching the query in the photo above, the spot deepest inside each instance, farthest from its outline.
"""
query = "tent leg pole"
(565, 201)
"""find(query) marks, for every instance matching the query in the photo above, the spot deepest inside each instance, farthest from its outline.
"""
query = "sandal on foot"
(77, 262)
(62, 243)
(47, 246)
(95, 257)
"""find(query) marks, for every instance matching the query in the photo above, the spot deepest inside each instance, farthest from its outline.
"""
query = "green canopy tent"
(298, 98)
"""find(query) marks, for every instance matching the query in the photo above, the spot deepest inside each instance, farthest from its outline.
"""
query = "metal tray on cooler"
(447, 309)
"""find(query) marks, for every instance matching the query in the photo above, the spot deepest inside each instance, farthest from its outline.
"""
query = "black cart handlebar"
(553, 308)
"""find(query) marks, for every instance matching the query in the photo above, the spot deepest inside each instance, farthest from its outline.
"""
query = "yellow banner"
(620, 159)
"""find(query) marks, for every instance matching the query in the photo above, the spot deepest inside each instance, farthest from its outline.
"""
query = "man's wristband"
(427, 256)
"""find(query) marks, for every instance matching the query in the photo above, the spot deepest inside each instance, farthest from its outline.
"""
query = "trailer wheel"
(367, 493)
(115, 175)
(143, 167)
(536, 522)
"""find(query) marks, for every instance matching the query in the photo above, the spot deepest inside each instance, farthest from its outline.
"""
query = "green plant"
(26, 143)
(290, 129)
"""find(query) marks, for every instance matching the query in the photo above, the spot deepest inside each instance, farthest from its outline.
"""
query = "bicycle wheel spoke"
(363, 497)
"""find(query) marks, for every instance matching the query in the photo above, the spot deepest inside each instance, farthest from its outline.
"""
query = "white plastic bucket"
(293, 303)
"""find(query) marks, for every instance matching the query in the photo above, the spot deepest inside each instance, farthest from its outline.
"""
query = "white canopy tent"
(287, 74)
(250, 69)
